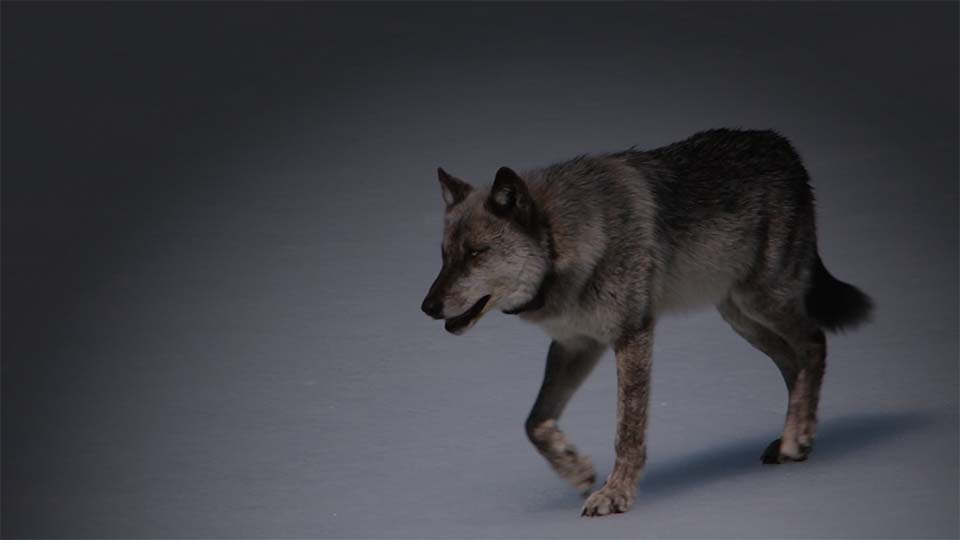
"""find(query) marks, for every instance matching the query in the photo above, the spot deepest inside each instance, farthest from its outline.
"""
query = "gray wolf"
(596, 249)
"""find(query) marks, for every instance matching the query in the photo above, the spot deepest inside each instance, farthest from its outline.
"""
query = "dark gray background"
(219, 221)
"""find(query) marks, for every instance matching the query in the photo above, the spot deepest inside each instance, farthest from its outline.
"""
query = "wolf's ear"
(509, 196)
(454, 189)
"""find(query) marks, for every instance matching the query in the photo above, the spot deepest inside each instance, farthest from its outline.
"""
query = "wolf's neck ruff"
(538, 300)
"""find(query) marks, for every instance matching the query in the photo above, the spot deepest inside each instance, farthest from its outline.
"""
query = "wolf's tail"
(836, 305)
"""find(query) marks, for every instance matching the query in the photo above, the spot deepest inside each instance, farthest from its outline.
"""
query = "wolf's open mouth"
(458, 323)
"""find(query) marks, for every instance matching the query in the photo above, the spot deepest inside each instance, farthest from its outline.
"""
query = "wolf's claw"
(608, 500)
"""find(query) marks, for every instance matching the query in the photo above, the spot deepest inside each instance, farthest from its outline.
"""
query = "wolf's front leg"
(633, 393)
(568, 364)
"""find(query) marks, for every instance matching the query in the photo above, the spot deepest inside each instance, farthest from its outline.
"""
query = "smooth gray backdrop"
(219, 221)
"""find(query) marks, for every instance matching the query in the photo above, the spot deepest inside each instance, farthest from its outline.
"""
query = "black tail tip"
(835, 305)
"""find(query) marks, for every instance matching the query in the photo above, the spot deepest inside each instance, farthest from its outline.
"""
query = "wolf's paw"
(776, 453)
(608, 500)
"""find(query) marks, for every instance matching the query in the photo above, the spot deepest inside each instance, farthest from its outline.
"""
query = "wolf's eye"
(473, 253)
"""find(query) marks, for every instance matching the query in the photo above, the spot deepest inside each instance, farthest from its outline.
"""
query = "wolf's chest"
(574, 324)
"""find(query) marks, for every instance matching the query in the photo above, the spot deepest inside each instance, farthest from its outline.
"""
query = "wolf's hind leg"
(797, 438)
(568, 364)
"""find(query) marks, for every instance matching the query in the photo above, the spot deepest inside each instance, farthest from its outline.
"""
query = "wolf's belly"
(685, 295)
(690, 286)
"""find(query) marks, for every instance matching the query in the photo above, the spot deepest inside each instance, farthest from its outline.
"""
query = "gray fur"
(594, 250)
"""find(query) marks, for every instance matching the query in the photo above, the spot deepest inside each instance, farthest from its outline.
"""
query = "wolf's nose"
(432, 307)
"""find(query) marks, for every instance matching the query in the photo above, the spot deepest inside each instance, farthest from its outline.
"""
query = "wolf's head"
(496, 251)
